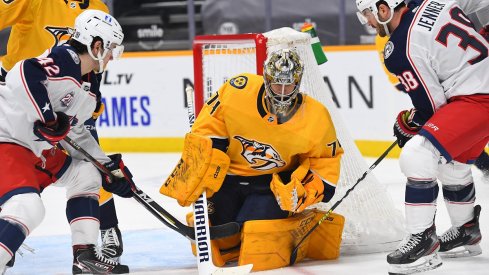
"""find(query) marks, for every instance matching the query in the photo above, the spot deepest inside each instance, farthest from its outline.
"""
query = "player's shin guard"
(108, 214)
(459, 200)
(11, 238)
(83, 215)
(420, 204)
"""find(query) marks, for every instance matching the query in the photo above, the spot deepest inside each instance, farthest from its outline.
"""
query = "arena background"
(144, 92)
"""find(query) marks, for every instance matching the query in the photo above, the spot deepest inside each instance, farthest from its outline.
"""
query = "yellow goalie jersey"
(39, 24)
(258, 143)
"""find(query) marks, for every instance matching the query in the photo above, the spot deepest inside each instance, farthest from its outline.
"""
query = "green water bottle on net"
(315, 43)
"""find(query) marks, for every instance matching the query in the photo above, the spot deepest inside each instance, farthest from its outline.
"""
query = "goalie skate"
(417, 253)
(462, 241)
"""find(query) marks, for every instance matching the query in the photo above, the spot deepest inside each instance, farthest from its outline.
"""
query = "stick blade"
(293, 256)
(235, 270)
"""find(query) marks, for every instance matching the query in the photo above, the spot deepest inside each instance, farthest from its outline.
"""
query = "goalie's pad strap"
(200, 168)
(268, 244)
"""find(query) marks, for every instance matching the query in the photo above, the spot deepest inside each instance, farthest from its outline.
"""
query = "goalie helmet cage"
(372, 222)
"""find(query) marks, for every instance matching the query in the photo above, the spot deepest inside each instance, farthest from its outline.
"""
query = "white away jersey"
(437, 54)
(35, 89)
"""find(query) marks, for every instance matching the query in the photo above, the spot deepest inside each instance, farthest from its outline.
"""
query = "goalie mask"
(94, 23)
(282, 77)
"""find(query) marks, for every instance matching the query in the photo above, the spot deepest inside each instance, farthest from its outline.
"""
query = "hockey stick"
(293, 256)
(161, 214)
(205, 265)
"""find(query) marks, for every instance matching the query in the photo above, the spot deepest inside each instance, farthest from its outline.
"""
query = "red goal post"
(203, 44)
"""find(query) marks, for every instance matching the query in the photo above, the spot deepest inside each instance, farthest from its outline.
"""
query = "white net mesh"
(372, 222)
(239, 58)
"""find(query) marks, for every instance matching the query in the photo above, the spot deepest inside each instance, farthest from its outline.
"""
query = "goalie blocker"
(268, 244)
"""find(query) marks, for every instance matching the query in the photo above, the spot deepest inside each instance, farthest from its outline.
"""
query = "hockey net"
(372, 222)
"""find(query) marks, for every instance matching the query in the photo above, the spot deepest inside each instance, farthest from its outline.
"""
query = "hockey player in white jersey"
(441, 60)
(44, 100)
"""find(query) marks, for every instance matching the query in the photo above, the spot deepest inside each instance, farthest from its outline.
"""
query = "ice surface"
(151, 248)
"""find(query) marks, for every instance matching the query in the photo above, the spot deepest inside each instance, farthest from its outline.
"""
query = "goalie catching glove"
(304, 189)
(121, 182)
(201, 168)
(404, 127)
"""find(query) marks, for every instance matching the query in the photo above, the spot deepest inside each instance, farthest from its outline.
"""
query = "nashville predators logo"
(60, 34)
(261, 156)
(239, 82)
(82, 3)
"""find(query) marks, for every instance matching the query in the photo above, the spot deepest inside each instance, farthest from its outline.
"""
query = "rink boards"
(145, 106)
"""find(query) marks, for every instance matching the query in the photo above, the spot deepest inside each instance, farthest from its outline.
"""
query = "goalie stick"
(216, 232)
(293, 256)
(201, 220)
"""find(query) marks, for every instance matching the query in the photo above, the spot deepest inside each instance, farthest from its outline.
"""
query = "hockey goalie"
(264, 152)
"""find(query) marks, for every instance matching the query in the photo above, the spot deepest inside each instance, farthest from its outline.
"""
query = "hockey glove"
(121, 182)
(303, 190)
(53, 131)
(404, 127)
(485, 32)
(289, 196)
(314, 187)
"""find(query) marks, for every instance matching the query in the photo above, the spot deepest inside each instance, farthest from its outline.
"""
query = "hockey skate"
(112, 247)
(462, 241)
(87, 260)
(416, 253)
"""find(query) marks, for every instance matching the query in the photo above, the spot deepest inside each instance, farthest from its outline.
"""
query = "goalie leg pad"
(325, 240)
(200, 168)
(223, 250)
(267, 244)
